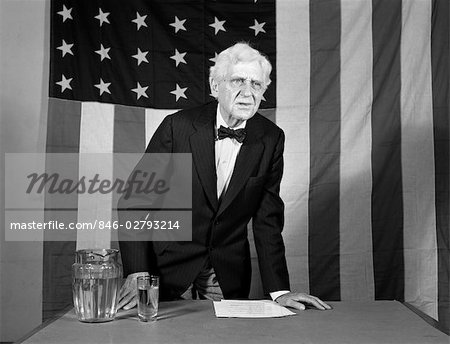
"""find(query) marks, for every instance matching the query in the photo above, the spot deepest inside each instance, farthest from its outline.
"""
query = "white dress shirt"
(227, 151)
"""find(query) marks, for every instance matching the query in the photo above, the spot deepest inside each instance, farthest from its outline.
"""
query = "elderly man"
(237, 168)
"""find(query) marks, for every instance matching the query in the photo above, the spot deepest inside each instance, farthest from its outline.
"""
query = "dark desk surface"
(195, 322)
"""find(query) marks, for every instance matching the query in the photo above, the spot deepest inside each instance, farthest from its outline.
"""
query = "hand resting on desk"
(297, 300)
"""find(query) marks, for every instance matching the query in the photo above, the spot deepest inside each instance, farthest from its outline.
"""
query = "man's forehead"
(252, 68)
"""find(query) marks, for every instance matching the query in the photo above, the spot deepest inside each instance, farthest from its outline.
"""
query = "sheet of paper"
(250, 309)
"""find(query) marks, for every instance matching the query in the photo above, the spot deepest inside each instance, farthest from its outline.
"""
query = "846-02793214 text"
(98, 225)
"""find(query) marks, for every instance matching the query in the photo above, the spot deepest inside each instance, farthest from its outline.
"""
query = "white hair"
(240, 52)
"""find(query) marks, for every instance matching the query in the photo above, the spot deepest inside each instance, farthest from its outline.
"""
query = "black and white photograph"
(225, 171)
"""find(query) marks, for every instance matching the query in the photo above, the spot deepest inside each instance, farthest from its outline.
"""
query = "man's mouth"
(244, 104)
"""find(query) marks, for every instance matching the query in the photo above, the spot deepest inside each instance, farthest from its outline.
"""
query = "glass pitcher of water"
(96, 281)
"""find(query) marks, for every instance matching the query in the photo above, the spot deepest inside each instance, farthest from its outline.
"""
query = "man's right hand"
(128, 292)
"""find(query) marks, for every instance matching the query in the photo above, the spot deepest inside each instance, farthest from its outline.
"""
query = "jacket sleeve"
(136, 248)
(268, 224)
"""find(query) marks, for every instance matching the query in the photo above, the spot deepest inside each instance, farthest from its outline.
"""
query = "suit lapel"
(202, 148)
(249, 155)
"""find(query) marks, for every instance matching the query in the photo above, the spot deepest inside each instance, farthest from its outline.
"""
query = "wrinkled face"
(240, 93)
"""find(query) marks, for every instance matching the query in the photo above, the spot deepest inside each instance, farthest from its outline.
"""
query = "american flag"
(361, 89)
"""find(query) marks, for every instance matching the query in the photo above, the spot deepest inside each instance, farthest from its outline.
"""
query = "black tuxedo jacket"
(220, 228)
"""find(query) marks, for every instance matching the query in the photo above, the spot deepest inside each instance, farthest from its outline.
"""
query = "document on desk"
(250, 309)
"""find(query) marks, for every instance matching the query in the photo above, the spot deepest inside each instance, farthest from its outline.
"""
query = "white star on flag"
(179, 92)
(66, 13)
(64, 83)
(178, 57)
(178, 24)
(102, 17)
(140, 91)
(258, 27)
(214, 59)
(218, 25)
(140, 21)
(65, 48)
(103, 86)
(141, 56)
(103, 52)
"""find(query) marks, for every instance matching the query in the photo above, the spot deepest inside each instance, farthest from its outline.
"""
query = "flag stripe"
(418, 158)
(325, 30)
(62, 137)
(292, 115)
(356, 261)
(129, 129)
(96, 136)
(387, 205)
(440, 85)
(129, 137)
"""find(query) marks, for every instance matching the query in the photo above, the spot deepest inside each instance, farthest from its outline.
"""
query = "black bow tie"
(238, 134)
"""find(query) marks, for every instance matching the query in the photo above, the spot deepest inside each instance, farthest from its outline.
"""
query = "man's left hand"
(298, 301)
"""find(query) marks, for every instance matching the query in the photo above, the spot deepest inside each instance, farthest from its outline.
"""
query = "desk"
(194, 322)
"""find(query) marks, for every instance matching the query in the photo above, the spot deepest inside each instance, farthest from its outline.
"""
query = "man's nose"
(246, 89)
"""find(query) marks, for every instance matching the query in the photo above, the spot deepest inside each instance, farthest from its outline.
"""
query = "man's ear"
(214, 87)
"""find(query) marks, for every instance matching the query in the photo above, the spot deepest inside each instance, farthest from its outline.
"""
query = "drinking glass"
(147, 297)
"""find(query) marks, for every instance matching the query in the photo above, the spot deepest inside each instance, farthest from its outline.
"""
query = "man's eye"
(238, 81)
(256, 85)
